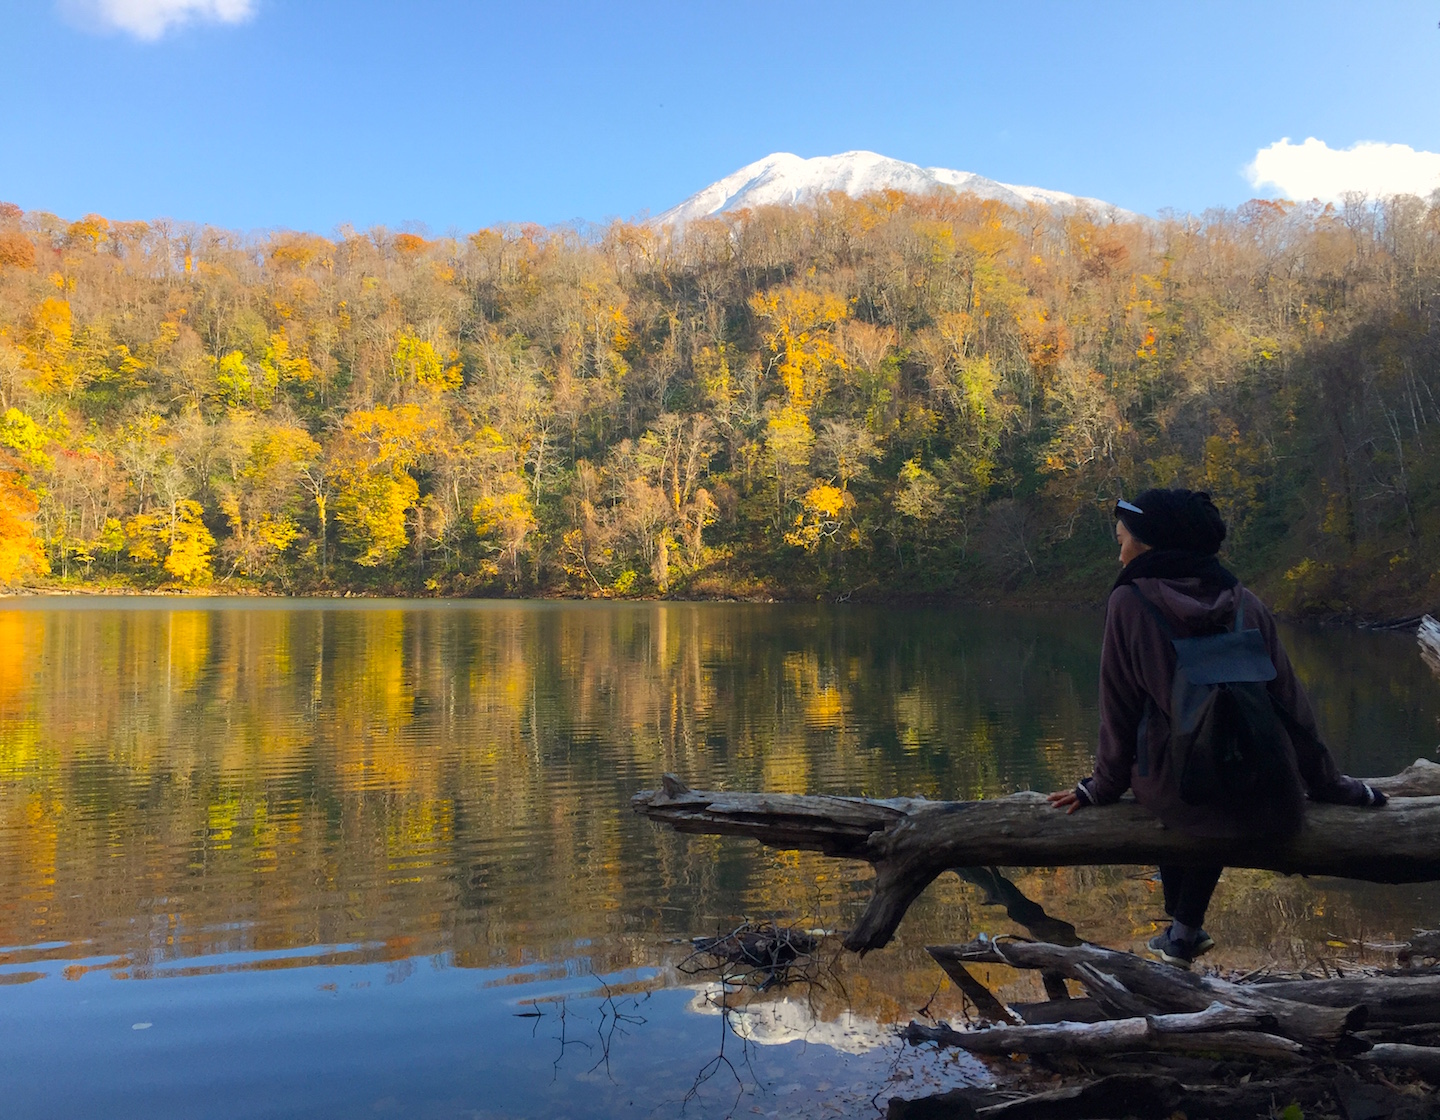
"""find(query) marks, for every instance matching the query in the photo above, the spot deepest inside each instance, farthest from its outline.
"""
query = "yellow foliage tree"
(821, 516)
(798, 331)
(371, 471)
(416, 360)
(280, 365)
(21, 553)
(22, 435)
(503, 521)
(238, 387)
(372, 510)
(147, 538)
(257, 501)
(49, 349)
(918, 496)
(190, 544)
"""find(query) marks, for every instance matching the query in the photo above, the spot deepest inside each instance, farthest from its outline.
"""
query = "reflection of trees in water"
(456, 779)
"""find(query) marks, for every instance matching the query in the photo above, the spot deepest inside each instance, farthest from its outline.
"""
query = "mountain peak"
(785, 179)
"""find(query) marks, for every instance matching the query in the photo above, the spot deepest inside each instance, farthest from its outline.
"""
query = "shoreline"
(1328, 620)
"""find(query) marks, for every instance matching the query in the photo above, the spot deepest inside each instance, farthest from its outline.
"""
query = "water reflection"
(195, 793)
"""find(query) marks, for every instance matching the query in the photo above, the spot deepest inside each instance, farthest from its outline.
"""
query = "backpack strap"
(1156, 612)
(1239, 608)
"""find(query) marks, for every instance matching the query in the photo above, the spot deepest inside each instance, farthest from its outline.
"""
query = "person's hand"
(1066, 799)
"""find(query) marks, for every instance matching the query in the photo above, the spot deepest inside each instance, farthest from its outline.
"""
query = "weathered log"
(1420, 779)
(910, 841)
(1217, 1028)
(1424, 945)
(1429, 636)
(1125, 985)
(1390, 1001)
(1424, 1060)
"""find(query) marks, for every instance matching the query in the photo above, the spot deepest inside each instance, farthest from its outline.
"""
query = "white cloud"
(1316, 170)
(150, 19)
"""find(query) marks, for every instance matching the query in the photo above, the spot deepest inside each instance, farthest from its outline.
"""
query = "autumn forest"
(891, 397)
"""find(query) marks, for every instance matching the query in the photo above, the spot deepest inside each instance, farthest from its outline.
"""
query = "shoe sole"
(1170, 959)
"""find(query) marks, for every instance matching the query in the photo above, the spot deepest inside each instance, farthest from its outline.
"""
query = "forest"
(892, 398)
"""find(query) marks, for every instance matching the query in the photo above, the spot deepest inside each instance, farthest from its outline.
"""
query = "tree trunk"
(910, 841)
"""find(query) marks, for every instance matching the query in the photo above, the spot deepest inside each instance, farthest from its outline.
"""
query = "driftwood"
(1424, 945)
(1429, 636)
(1153, 1008)
(1127, 986)
(1217, 1028)
(1424, 1060)
(911, 841)
(1392, 1001)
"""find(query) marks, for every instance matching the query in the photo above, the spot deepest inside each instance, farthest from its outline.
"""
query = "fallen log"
(1392, 1001)
(1420, 779)
(911, 841)
(1429, 636)
(1424, 945)
(1424, 1060)
(1217, 1028)
(1125, 986)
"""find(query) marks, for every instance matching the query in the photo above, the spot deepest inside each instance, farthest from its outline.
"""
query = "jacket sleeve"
(1318, 770)
(1122, 700)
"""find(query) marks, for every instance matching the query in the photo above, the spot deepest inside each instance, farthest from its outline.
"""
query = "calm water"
(309, 859)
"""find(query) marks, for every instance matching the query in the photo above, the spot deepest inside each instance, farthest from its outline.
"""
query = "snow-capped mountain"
(784, 179)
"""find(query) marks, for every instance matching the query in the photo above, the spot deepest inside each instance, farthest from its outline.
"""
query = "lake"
(338, 858)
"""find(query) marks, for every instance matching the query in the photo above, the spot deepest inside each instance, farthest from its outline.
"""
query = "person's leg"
(1171, 876)
(1187, 896)
(1192, 896)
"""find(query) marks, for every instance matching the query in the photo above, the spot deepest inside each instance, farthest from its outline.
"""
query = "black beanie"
(1182, 519)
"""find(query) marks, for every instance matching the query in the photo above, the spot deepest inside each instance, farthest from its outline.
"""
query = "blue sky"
(311, 113)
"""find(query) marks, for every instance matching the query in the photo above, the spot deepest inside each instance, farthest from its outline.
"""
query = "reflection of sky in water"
(418, 1038)
(335, 853)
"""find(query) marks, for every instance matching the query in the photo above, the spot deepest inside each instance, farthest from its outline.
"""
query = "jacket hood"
(1197, 606)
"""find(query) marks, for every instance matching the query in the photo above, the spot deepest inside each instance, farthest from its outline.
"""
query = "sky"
(450, 115)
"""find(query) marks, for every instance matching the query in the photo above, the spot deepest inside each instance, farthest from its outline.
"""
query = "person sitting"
(1168, 543)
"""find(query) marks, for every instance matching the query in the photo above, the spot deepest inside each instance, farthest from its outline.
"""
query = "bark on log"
(910, 841)
(1124, 984)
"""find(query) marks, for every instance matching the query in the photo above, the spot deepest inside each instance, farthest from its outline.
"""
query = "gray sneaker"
(1179, 951)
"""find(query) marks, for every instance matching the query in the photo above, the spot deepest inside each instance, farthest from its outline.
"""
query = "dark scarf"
(1176, 563)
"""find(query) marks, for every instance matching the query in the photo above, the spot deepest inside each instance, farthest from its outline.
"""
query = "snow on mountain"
(783, 179)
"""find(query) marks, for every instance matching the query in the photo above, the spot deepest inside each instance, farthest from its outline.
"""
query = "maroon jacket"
(1137, 666)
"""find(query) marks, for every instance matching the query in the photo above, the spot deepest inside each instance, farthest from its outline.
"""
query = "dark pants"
(1188, 891)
